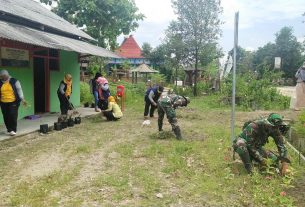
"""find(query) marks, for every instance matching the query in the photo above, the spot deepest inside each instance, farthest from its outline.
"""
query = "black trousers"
(103, 104)
(64, 104)
(10, 115)
(109, 116)
(149, 105)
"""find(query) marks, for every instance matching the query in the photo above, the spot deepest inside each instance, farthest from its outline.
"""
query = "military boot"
(177, 132)
(245, 157)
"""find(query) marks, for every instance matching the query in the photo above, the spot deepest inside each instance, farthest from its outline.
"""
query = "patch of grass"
(83, 149)
(125, 149)
(114, 186)
(162, 135)
(39, 192)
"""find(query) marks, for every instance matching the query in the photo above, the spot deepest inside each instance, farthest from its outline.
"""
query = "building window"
(54, 60)
(50, 55)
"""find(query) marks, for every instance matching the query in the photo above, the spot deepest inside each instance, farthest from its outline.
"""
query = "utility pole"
(234, 77)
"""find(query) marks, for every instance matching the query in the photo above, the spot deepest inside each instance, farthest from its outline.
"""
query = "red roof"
(129, 48)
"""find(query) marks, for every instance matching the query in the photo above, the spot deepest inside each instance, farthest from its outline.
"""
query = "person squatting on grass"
(94, 90)
(151, 98)
(11, 95)
(167, 105)
(249, 144)
(113, 112)
(64, 92)
(103, 92)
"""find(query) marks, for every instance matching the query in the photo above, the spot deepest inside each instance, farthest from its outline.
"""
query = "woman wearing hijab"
(64, 92)
(113, 112)
(10, 97)
(300, 88)
(94, 90)
(103, 92)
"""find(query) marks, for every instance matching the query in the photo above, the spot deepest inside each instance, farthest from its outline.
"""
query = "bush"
(255, 93)
(134, 92)
(300, 125)
(85, 93)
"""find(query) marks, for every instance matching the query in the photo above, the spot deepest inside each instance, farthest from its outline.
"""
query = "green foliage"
(158, 78)
(245, 59)
(134, 92)
(146, 50)
(287, 47)
(96, 64)
(85, 94)
(255, 93)
(104, 20)
(300, 125)
(197, 28)
(266, 191)
(126, 65)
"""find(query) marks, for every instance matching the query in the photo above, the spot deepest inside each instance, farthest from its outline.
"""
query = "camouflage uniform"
(249, 144)
(167, 105)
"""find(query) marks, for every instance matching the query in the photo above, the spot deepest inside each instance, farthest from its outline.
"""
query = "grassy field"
(101, 163)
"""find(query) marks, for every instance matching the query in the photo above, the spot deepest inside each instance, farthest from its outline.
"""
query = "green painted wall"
(25, 76)
(68, 64)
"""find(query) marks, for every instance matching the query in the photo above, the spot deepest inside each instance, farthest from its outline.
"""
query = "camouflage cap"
(275, 119)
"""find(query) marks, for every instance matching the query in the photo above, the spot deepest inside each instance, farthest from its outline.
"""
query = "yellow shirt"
(7, 93)
(115, 108)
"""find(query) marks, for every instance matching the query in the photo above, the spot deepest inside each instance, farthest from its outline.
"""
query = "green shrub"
(255, 93)
(134, 92)
(300, 124)
(85, 94)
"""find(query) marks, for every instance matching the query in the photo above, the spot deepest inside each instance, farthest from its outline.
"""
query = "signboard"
(14, 57)
(277, 62)
(179, 83)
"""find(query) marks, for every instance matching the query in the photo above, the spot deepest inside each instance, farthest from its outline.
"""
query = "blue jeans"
(95, 95)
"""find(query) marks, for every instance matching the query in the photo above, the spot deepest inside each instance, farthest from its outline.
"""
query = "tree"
(146, 50)
(103, 20)
(290, 50)
(264, 58)
(244, 59)
(287, 47)
(197, 25)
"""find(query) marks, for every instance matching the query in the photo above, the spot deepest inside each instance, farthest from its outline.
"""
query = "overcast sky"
(259, 21)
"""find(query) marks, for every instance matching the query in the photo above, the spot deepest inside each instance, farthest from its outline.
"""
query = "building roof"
(143, 68)
(129, 48)
(34, 12)
(35, 37)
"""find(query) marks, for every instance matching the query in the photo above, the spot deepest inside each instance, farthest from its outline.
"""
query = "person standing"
(64, 92)
(11, 96)
(300, 88)
(151, 98)
(113, 112)
(94, 90)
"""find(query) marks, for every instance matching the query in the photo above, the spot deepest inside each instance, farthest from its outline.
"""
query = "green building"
(38, 48)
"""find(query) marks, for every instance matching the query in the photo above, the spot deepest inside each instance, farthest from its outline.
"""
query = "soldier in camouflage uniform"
(249, 144)
(167, 105)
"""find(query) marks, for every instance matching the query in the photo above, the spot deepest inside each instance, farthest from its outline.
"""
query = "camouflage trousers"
(170, 114)
(249, 153)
